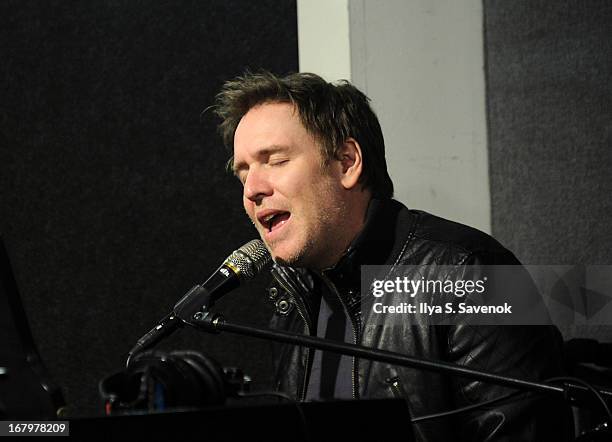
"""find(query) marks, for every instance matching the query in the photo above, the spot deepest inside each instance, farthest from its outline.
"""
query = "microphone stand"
(572, 392)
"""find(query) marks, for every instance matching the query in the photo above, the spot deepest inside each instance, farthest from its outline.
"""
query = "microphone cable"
(591, 389)
(502, 398)
(419, 419)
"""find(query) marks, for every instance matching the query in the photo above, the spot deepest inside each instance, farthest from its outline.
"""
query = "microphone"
(243, 264)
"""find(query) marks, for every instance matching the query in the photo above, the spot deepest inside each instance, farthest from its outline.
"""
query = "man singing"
(311, 158)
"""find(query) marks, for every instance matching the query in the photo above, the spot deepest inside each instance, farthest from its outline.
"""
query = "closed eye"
(278, 162)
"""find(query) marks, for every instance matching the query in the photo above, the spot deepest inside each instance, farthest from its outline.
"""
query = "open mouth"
(274, 220)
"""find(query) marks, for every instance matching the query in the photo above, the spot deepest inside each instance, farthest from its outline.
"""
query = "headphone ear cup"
(210, 375)
(157, 380)
(130, 388)
(121, 389)
(166, 374)
(185, 388)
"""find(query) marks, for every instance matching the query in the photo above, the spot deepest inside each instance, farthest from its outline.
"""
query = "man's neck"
(355, 227)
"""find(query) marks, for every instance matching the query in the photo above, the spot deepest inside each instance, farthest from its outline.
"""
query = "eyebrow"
(263, 152)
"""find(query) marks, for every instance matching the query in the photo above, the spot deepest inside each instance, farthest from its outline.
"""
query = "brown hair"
(330, 112)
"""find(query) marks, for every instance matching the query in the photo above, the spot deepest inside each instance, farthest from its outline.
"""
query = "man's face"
(294, 201)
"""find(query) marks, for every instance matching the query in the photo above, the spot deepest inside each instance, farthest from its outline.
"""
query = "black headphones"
(156, 381)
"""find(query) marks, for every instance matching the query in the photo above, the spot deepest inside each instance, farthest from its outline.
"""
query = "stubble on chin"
(292, 258)
(299, 258)
(321, 242)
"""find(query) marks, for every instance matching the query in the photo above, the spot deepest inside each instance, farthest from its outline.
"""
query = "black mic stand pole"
(215, 323)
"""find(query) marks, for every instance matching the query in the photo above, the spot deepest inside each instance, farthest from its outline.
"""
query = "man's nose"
(257, 186)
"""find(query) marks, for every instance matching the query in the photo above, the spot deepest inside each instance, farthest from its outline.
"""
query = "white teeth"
(268, 218)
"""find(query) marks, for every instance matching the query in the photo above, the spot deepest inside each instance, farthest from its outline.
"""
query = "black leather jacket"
(394, 235)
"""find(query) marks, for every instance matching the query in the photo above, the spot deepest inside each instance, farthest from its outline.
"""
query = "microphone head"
(249, 259)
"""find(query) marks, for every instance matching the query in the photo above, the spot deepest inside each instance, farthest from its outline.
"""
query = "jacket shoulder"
(450, 242)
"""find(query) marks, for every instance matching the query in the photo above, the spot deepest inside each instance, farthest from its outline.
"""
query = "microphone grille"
(250, 259)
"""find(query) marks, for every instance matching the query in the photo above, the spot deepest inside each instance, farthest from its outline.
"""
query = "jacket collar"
(379, 243)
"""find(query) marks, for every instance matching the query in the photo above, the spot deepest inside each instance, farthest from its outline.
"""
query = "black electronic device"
(26, 390)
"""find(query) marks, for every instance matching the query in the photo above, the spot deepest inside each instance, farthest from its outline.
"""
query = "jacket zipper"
(301, 309)
(332, 287)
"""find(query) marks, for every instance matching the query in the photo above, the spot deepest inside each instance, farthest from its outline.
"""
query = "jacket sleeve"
(531, 352)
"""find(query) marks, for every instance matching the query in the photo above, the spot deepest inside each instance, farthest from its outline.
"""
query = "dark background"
(114, 200)
(549, 102)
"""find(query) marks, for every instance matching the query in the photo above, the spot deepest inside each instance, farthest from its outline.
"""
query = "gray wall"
(422, 65)
(550, 128)
(549, 65)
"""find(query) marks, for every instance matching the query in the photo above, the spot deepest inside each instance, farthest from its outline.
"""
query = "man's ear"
(351, 161)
